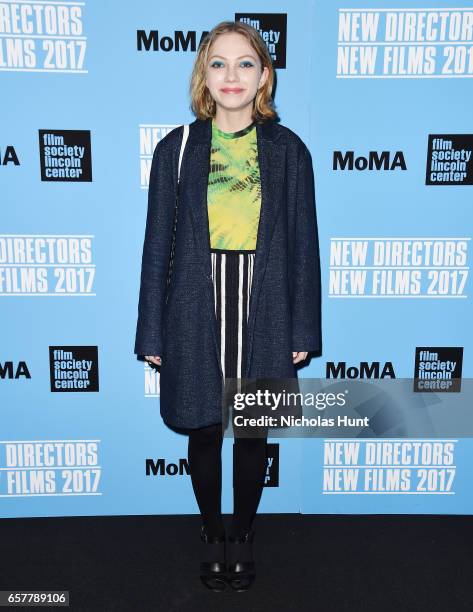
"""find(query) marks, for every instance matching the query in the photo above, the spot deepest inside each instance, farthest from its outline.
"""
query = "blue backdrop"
(382, 97)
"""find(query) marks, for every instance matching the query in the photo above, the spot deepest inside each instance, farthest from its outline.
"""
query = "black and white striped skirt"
(232, 275)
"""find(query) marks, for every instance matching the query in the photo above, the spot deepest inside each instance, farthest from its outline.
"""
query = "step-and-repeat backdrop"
(382, 97)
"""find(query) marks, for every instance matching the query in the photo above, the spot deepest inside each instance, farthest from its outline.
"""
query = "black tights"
(205, 465)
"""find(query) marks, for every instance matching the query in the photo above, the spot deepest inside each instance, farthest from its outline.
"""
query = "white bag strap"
(183, 145)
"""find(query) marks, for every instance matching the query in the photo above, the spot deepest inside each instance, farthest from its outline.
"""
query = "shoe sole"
(215, 587)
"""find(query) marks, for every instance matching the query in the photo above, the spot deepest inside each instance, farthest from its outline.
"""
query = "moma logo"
(14, 370)
(178, 41)
(8, 156)
(161, 467)
(385, 160)
(364, 369)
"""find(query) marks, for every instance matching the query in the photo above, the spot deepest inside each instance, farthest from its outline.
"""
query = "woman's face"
(233, 72)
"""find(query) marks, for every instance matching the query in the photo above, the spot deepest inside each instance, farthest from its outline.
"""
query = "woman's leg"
(232, 273)
(249, 470)
(205, 465)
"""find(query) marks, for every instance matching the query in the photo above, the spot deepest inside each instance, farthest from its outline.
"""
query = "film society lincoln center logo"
(74, 368)
(272, 28)
(65, 155)
(449, 159)
(438, 369)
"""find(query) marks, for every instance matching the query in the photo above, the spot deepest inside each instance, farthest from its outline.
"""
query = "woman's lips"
(231, 90)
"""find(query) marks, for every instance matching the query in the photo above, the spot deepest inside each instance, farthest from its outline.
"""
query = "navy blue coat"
(285, 302)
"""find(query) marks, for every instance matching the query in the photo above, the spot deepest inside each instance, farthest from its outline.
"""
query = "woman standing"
(244, 296)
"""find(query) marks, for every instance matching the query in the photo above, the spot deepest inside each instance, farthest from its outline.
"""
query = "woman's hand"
(155, 360)
(298, 356)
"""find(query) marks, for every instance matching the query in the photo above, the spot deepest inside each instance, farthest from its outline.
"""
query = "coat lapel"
(271, 157)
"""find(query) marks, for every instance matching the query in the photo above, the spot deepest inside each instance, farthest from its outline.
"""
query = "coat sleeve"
(306, 298)
(156, 251)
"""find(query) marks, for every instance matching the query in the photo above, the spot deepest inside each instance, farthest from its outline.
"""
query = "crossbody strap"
(183, 146)
(185, 134)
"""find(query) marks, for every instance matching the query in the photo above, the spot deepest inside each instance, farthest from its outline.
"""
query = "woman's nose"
(231, 74)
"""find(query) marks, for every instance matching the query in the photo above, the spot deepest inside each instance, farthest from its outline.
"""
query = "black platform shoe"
(241, 566)
(212, 566)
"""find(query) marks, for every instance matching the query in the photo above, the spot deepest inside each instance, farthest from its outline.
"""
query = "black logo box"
(78, 352)
(459, 141)
(71, 138)
(267, 22)
(272, 452)
(445, 353)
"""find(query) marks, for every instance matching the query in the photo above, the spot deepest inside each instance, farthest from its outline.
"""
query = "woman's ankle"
(214, 530)
(238, 531)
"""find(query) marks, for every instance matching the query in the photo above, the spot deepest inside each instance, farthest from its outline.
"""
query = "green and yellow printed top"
(234, 189)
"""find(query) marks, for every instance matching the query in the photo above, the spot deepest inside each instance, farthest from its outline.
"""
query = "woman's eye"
(245, 64)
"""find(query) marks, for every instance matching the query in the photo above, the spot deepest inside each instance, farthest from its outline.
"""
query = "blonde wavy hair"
(202, 104)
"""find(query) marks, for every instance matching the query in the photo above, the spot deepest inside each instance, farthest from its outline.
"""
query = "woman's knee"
(206, 436)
